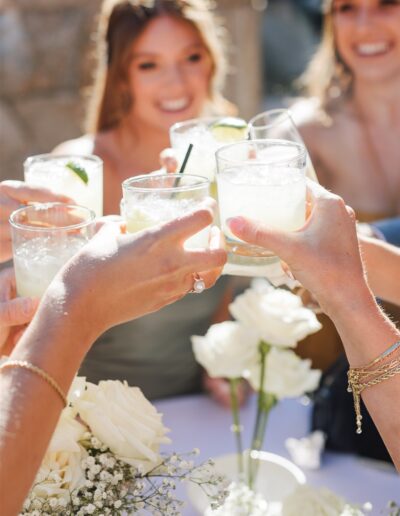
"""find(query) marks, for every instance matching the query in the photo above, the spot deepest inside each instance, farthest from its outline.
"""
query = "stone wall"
(42, 49)
(45, 48)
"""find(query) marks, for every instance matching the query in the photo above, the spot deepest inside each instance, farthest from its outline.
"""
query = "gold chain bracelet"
(359, 378)
(34, 369)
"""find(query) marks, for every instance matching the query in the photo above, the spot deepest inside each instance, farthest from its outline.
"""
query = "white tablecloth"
(198, 422)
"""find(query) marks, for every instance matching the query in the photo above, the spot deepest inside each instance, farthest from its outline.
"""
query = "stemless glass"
(279, 124)
(78, 177)
(200, 132)
(151, 200)
(44, 237)
(263, 180)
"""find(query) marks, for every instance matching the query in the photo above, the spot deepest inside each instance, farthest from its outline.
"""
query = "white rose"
(227, 350)
(276, 314)
(124, 420)
(60, 472)
(286, 375)
(317, 502)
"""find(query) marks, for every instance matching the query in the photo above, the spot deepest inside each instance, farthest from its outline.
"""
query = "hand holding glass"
(151, 200)
(263, 180)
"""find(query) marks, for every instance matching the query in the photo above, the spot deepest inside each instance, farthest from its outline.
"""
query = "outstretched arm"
(324, 256)
(114, 278)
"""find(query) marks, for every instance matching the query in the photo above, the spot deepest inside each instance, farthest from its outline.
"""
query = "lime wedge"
(229, 129)
(79, 171)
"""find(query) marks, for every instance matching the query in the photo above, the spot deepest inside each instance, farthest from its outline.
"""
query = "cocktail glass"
(78, 177)
(151, 200)
(263, 180)
(279, 124)
(207, 136)
(44, 237)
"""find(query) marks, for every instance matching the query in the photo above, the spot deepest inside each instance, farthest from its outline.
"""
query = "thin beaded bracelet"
(34, 369)
(359, 378)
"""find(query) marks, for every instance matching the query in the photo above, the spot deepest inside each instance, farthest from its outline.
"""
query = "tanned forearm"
(382, 262)
(30, 407)
(366, 333)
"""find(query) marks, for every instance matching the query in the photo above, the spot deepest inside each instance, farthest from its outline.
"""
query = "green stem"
(269, 403)
(236, 428)
(261, 417)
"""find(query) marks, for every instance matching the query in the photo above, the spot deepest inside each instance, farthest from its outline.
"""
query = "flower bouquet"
(258, 346)
(104, 458)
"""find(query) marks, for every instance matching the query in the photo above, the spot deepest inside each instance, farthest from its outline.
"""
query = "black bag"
(333, 413)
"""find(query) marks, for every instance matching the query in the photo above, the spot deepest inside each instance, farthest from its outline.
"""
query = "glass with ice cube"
(207, 136)
(78, 177)
(44, 237)
(263, 180)
(150, 200)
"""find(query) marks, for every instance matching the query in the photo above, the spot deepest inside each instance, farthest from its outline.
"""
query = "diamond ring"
(198, 284)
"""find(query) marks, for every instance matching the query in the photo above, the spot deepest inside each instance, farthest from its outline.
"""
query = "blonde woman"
(352, 124)
(160, 62)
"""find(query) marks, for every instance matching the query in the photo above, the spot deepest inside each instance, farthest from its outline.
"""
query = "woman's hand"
(169, 161)
(15, 313)
(219, 389)
(13, 194)
(118, 277)
(323, 255)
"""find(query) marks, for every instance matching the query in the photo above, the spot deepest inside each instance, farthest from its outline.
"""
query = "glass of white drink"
(78, 177)
(44, 237)
(151, 200)
(207, 135)
(263, 180)
(279, 124)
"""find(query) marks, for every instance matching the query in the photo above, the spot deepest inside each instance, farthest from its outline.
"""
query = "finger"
(204, 259)
(287, 271)
(24, 193)
(217, 240)
(184, 227)
(7, 284)
(259, 234)
(168, 160)
(210, 277)
(5, 245)
(351, 212)
(316, 191)
(7, 206)
(18, 311)
(101, 221)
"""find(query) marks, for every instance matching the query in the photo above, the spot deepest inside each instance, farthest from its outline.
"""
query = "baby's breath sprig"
(114, 487)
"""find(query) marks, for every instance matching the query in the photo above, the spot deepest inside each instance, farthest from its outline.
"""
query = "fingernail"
(235, 222)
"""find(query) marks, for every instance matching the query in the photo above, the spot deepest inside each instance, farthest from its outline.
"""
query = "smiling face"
(367, 35)
(169, 74)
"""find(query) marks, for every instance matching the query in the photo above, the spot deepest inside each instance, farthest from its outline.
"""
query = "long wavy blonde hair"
(120, 23)
(327, 77)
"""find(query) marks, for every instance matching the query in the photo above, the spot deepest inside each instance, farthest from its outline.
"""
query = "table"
(198, 422)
